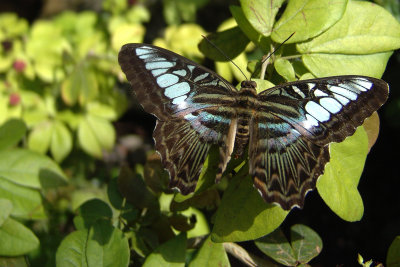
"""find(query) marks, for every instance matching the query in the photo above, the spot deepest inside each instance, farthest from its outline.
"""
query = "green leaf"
(393, 255)
(31, 169)
(285, 69)
(81, 85)
(232, 42)
(257, 38)
(210, 254)
(16, 239)
(27, 202)
(127, 33)
(40, 137)
(243, 214)
(97, 247)
(201, 225)
(93, 210)
(61, 141)
(133, 188)
(95, 134)
(5, 209)
(365, 28)
(11, 132)
(324, 65)
(338, 185)
(169, 254)
(261, 14)
(306, 243)
(307, 19)
(276, 246)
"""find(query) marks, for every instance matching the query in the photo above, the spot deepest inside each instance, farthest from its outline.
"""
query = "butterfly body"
(286, 129)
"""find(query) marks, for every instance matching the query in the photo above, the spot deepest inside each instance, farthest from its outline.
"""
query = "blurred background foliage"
(67, 126)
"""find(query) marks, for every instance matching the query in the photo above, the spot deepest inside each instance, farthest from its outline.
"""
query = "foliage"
(60, 94)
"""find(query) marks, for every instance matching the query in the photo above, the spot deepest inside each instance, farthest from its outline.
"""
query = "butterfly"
(286, 129)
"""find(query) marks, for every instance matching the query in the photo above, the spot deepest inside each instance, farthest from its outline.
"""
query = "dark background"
(379, 185)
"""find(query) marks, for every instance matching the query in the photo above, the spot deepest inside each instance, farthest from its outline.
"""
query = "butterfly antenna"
(225, 55)
(270, 54)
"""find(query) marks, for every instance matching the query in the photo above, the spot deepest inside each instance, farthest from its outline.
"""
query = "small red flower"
(19, 65)
(14, 99)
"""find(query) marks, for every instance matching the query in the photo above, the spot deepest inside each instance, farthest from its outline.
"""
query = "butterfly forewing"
(191, 103)
(287, 128)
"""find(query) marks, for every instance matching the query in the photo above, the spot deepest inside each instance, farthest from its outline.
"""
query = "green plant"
(61, 82)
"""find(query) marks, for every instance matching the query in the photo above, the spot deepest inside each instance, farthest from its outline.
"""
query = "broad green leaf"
(285, 69)
(306, 243)
(11, 132)
(29, 168)
(324, 65)
(393, 254)
(243, 214)
(276, 246)
(61, 141)
(95, 134)
(16, 239)
(127, 33)
(102, 110)
(263, 85)
(371, 127)
(39, 138)
(80, 85)
(261, 14)
(307, 19)
(257, 38)
(210, 254)
(365, 28)
(27, 202)
(338, 185)
(97, 247)
(5, 209)
(93, 210)
(201, 225)
(169, 254)
(133, 188)
(231, 42)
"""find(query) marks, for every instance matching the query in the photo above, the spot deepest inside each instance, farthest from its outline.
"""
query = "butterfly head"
(248, 84)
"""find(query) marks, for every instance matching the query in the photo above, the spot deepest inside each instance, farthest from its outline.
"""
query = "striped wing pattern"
(295, 123)
(190, 103)
(287, 128)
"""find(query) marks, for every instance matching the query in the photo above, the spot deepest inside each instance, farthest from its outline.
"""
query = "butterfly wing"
(191, 103)
(295, 123)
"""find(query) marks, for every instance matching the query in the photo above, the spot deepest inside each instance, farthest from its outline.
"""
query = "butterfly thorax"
(246, 104)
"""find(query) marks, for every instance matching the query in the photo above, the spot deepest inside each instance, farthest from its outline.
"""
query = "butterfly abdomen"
(246, 104)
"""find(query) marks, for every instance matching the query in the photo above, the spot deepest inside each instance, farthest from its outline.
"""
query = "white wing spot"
(344, 92)
(318, 93)
(180, 72)
(166, 80)
(177, 90)
(363, 85)
(310, 122)
(200, 77)
(330, 104)
(298, 91)
(317, 111)
(143, 50)
(158, 71)
(310, 86)
(344, 101)
(159, 65)
(179, 100)
(146, 56)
